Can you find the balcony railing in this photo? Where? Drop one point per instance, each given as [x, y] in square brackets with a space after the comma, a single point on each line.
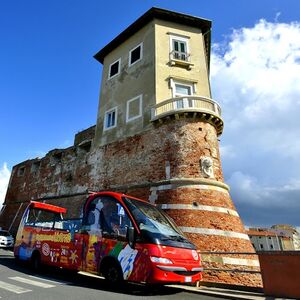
[201, 106]
[178, 55]
[180, 59]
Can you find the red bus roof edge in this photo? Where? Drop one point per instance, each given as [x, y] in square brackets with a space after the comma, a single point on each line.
[49, 207]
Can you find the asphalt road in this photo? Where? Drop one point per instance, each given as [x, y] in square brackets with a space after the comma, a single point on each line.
[19, 282]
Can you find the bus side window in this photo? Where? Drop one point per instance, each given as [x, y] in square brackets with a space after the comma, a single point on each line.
[106, 214]
[92, 215]
[32, 217]
[124, 220]
[69, 225]
[113, 218]
[59, 224]
[40, 218]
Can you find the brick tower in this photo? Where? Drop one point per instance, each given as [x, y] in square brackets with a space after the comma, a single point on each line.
[156, 137]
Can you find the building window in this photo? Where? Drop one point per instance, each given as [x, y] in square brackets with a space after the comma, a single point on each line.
[182, 88]
[110, 118]
[182, 91]
[85, 145]
[136, 54]
[134, 108]
[114, 69]
[21, 171]
[261, 246]
[35, 167]
[179, 48]
[56, 158]
[271, 246]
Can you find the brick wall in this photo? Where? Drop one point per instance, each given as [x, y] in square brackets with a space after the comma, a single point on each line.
[84, 135]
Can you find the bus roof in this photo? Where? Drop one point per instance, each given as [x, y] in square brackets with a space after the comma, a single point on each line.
[49, 207]
[117, 195]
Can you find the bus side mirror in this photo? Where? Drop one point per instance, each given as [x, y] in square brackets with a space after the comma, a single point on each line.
[131, 236]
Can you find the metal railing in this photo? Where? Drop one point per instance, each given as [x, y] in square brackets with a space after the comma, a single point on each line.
[178, 55]
[185, 104]
[207, 263]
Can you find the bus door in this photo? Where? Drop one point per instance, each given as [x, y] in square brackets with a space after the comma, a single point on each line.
[104, 229]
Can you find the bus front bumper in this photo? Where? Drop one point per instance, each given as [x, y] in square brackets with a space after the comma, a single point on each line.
[175, 274]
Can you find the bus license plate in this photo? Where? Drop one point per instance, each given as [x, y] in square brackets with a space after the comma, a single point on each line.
[187, 279]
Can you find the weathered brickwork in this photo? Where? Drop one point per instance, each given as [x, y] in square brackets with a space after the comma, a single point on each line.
[73, 204]
[135, 161]
[84, 136]
[197, 195]
[220, 243]
[251, 280]
[206, 219]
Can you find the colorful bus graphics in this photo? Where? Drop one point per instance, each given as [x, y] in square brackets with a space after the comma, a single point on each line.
[118, 237]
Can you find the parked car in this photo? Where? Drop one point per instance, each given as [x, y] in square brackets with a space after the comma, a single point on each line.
[6, 239]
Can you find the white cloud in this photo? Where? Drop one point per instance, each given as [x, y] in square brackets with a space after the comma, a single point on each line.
[265, 205]
[249, 189]
[261, 67]
[255, 77]
[227, 151]
[4, 179]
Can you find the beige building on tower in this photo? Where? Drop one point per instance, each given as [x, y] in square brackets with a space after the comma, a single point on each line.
[154, 68]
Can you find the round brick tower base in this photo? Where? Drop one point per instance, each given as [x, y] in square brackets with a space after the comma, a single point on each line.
[200, 204]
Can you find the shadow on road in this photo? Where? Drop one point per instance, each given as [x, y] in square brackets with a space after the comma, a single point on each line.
[76, 279]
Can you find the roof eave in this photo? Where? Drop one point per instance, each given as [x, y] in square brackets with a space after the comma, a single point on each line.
[157, 13]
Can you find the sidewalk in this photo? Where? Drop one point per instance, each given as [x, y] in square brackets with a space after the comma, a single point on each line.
[226, 293]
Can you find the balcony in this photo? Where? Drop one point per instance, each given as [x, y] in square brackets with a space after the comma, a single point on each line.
[183, 59]
[203, 108]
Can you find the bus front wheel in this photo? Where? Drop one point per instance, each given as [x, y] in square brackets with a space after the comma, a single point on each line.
[113, 274]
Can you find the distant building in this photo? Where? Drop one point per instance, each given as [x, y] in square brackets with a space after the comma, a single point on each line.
[289, 232]
[287, 243]
[278, 237]
[264, 240]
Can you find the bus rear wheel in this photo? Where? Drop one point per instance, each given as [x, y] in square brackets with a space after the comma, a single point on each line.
[36, 261]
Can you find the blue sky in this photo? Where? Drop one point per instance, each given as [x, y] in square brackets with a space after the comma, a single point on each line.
[49, 87]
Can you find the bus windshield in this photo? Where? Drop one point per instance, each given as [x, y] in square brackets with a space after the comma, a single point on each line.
[155, 225]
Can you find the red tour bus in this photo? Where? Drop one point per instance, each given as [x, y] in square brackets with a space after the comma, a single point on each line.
[119, 237]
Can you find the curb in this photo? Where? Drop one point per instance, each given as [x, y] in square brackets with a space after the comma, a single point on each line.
[223, 293]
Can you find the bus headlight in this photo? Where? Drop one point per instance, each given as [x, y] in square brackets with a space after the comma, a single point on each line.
[161, 260]
[195, 255]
